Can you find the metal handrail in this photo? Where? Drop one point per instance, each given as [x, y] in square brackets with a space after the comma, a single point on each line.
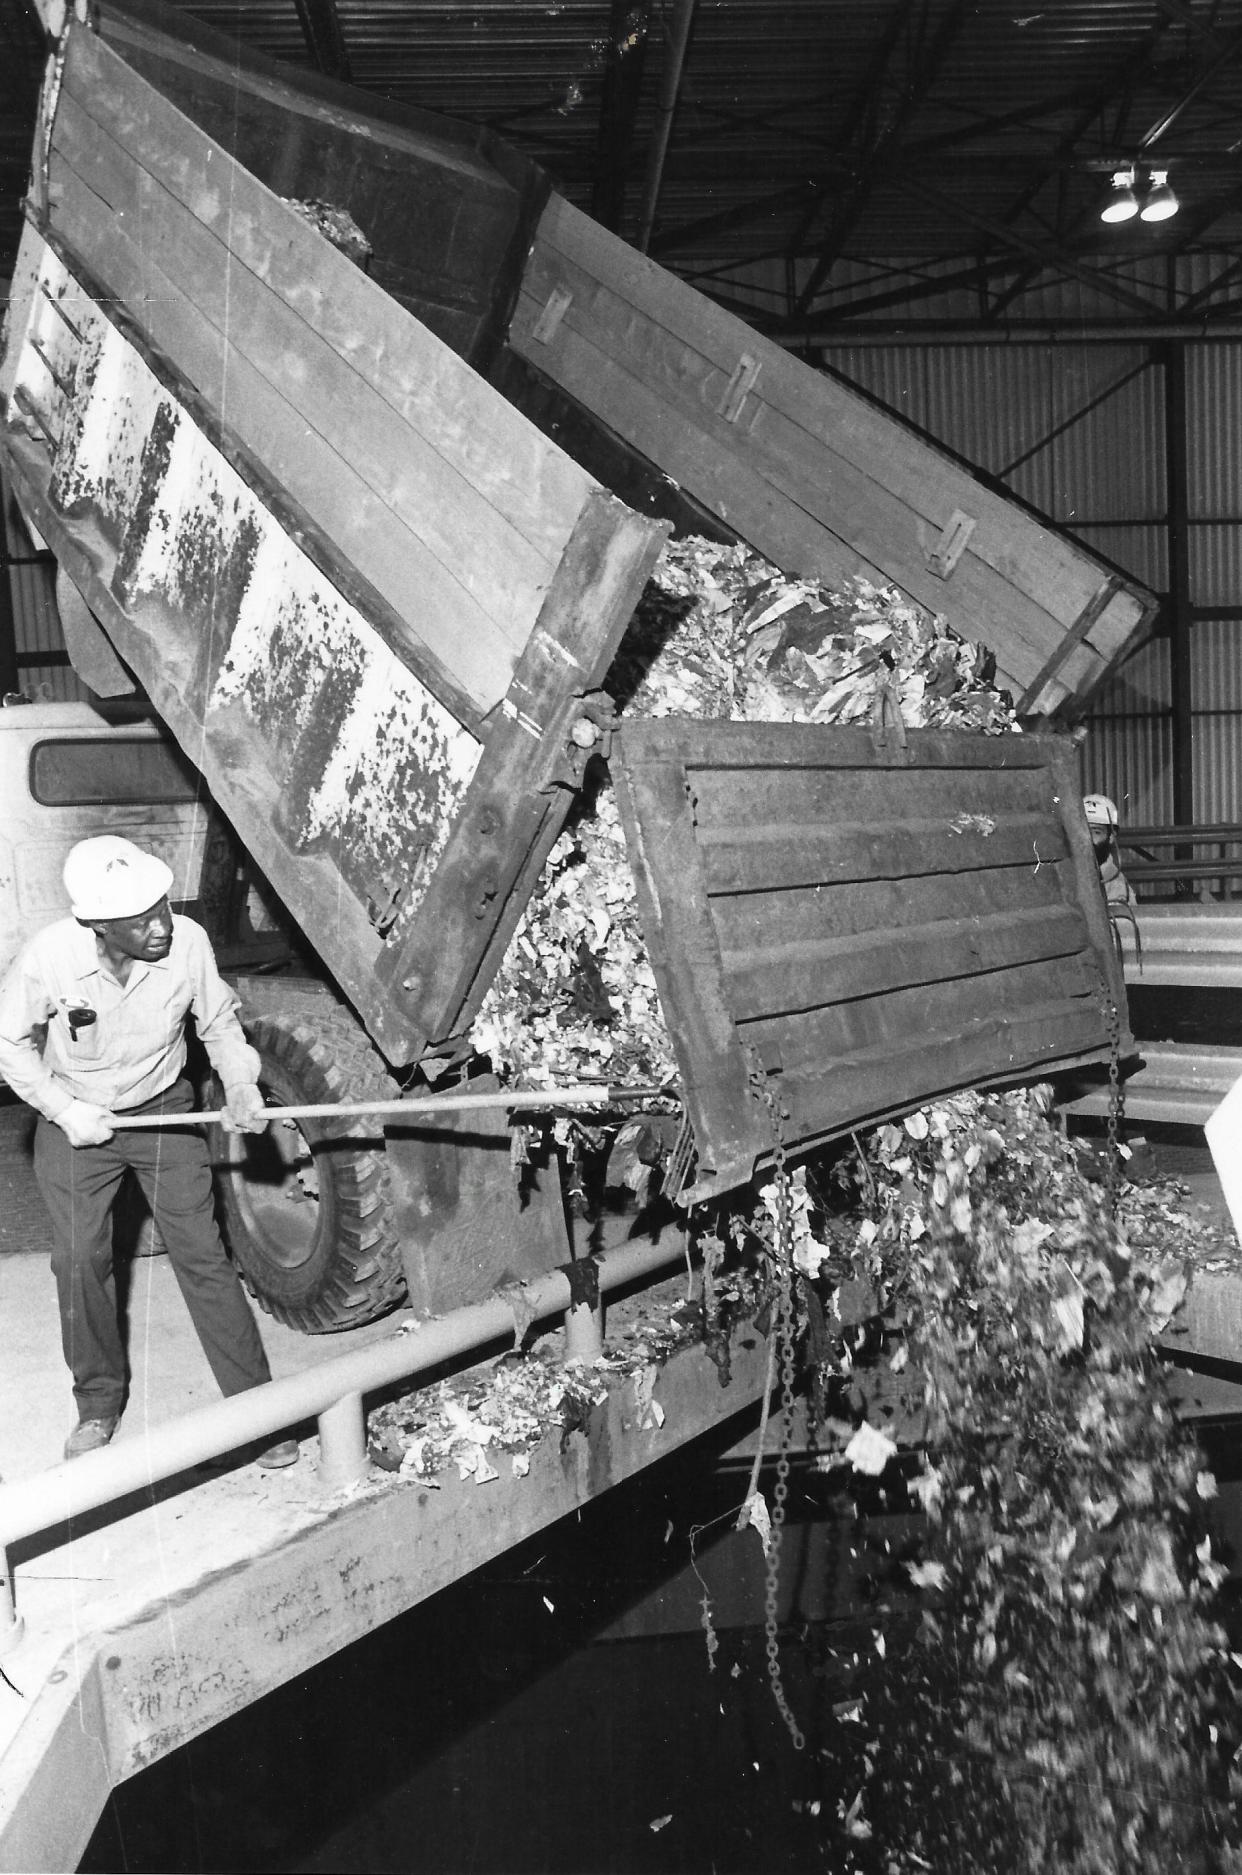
[1157, 869]
[1148, 869]
[1226, 832]
[332, 1391]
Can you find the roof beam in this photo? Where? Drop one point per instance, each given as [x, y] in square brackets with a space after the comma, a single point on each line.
[717, 123]
[321, 29]
[1197, 222]
[1046, 254]
[926, 63]
[739, 217]
[1025, 116]
[1228, 50]
[1094, 106]
[628, 26]
[864, 106]
[1181, 15]
[978, 273]
[1201, 301]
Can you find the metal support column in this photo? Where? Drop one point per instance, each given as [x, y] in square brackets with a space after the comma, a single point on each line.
[1177, 521]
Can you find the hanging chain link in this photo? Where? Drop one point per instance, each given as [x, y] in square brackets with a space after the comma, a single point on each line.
[784, 1328]
[1116, 1105]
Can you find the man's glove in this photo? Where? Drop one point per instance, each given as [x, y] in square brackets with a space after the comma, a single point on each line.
[243, 1109]
[84, 1124]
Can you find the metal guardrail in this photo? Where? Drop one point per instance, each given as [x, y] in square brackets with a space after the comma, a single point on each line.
[1188, 945]
[1179, 1085]
[1141, 848]
[1180, 946]
[332, 1392]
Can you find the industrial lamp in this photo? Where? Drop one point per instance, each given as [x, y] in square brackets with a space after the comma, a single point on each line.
[1161, 201]
[1122, 203]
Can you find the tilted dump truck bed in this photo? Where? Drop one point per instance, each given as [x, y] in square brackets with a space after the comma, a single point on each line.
[375, 603]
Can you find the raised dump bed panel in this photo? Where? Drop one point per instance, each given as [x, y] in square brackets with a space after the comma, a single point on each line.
[447, 209]
[807, 470]
[859, 972]
[663, 395]
[365, 593]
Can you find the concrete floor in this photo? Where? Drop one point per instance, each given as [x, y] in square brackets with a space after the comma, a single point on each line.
[169, 1373]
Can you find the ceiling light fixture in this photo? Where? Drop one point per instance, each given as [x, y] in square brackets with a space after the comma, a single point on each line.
[1122, 203]
[1161, 202]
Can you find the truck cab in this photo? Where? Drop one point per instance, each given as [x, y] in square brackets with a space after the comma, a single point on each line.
[66, 773]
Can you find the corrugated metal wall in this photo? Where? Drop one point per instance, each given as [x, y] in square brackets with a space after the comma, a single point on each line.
[1079, 431]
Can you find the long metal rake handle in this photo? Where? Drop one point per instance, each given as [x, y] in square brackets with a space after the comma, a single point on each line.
[528, 1100]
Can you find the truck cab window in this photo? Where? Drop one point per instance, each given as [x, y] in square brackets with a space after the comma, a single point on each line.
[86, 772]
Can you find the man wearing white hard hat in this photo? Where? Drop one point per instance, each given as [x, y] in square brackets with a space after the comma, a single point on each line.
[93, 1025]
[1102, 823]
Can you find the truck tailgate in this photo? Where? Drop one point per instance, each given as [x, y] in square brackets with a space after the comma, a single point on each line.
[860, 921]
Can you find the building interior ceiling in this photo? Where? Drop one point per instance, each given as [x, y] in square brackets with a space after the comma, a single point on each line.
[823, 166]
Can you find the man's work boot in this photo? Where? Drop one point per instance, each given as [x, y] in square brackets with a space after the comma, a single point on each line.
[89, 1435]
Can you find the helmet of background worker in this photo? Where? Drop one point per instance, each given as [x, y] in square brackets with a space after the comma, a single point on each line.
[1101, 814]
[107, 877]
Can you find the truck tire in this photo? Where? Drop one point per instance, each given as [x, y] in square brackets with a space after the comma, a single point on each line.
[307, 1219]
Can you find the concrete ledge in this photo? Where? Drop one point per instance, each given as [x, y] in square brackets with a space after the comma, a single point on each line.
[261, 1577]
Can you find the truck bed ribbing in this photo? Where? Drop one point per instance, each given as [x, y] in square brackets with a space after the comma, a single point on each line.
[536, 1100]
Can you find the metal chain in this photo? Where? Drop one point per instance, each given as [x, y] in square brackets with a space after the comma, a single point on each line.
[1116, 1105]
[784, 1328]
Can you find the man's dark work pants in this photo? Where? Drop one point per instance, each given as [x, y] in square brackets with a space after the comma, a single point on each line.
[79, 1186]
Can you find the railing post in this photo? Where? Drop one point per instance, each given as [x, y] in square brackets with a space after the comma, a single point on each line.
[343, 1443]
[12, 1627]
[584, 1331]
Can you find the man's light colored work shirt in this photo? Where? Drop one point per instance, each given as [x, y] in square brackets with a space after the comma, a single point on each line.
[136, 1046]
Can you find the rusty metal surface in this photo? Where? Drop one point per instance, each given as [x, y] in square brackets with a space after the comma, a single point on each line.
[339, 767]
[246, 1603]
[860, 925]
[360, 588]
[344, 771]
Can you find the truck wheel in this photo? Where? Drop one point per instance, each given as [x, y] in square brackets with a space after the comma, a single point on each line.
[307, 1218]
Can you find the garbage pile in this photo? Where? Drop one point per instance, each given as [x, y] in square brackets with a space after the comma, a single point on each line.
[719, 635]
[336, 225]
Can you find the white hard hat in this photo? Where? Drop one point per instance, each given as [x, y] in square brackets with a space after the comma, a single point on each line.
[1099, 810]
[108, 877]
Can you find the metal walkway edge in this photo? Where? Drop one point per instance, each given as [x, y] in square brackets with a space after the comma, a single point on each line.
[1179, 1084]
[261, 1576]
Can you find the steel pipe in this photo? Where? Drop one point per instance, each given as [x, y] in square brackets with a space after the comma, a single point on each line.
[666, 106]
[844, 335]
[343, 1443]
[68, 1490]
[524, 1101]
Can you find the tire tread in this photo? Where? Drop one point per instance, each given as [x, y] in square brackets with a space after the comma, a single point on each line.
[364, 1278]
